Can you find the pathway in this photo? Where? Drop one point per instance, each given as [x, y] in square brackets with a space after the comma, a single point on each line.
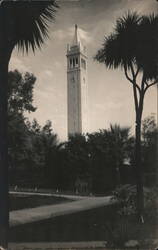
[71, 197]
[23, 216]
[58, 245]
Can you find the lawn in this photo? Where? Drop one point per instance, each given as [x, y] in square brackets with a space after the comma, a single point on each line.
[101, 224]
[21, 201]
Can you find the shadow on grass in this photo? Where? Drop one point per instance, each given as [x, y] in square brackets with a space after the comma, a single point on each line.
[101, 224]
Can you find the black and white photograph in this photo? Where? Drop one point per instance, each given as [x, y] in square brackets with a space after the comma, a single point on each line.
[78, 124]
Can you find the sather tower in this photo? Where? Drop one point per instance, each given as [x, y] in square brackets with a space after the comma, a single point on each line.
[77, 86]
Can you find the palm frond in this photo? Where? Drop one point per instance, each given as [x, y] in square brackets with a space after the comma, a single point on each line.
[147, 53]
[126, 30]
[30, 21]
[134, 41]
[119, 48]
[128, 22]
[109, 53]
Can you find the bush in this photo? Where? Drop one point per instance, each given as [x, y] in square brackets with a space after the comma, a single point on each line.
[126, 197]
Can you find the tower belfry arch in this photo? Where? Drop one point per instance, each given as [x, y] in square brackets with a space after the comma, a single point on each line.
[77, 86]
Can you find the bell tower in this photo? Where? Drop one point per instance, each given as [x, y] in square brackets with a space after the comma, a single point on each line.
[77, 86]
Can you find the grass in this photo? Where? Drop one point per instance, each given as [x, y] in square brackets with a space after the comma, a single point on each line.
[20, 201]
[101, 224]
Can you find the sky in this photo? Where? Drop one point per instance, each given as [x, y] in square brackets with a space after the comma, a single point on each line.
[110, 98]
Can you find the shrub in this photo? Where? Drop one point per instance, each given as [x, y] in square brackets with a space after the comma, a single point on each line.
[126, 197]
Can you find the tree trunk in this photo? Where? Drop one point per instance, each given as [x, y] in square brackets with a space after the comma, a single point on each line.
[6, 47]
[156, 162]
[4, 206]
[139, 172]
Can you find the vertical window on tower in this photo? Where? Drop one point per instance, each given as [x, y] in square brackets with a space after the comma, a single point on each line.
[70, 63]
[76, 62]
[73, 62]
[83, 63]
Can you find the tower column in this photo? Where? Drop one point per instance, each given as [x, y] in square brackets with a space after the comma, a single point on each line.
[76, 86]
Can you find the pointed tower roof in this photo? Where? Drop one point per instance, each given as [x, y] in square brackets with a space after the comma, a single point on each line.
[76, 40]
[76, 45]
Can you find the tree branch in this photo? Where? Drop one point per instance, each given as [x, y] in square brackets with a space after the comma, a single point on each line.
[134, 78]
[149, 85]
[126, 74]
[146, 83]
[135, 97]
[142, 84]
[134, 74]
[137, 71]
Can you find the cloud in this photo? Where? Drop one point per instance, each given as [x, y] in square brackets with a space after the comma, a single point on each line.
[57, 65]
[48, 73]
[19, 64]
[60, 34]
[85, 36]
[68, 35]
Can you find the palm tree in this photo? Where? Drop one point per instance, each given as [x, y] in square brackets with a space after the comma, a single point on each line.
[133, 47]
[23, 24]
[120, 140]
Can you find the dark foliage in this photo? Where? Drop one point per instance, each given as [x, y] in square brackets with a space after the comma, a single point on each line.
[27, 25]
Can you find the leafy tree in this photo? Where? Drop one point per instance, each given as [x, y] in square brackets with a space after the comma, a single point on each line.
[44, 143]
[133, 47]
[23, 24]
[102, 168]
[78, 159]
[17, 136]
[20, 98]
[32, 148]
[148, 129]
[149, 154]
[40, 143]
[119, 140]
[20, 92]
[95, 158]
[108, 150]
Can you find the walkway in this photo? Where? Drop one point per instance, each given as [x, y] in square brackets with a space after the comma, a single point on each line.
[71, 197]
[58, 245]
[23, 216]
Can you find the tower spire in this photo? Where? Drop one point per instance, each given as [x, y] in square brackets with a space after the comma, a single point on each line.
[76, 35]
[76, 40]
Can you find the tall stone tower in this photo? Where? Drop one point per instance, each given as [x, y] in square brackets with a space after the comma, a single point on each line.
[77, 86]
